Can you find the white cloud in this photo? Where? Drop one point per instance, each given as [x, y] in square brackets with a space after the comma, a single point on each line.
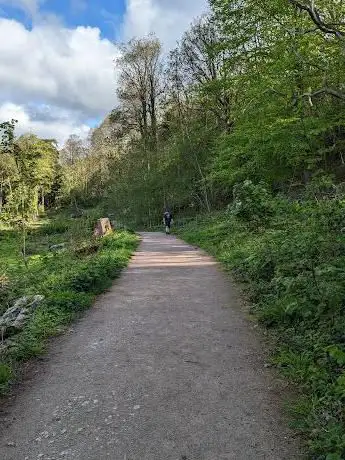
[55, 124]
[66, 67]
[71, 71]
[166, 18]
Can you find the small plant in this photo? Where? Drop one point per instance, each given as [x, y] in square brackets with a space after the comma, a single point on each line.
[5, 374]
[293, 267]
[54, 228]
[251, 203]
[68, 279]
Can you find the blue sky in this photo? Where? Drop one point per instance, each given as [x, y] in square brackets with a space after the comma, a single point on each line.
[57, 74]
[106, 14]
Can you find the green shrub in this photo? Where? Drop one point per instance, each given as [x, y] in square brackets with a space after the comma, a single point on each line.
[54, 228]
[292, 261]
[252, 203]
[69, 280]
[5, 374]
[68, 301]
[120, 240]
[94, 278]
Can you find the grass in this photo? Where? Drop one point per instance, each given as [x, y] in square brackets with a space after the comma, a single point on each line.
[292, 265]
[69, 279]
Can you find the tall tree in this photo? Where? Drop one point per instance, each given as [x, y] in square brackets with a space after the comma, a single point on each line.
[141, 86]
[73, 150]
[198, 64]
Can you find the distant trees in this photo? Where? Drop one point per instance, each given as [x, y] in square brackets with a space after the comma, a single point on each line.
[254, 90]
[29, 173]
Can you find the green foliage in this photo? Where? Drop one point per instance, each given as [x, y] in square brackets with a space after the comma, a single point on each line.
[29, 174]
[68, 279]
[248, 114]
[68, 301]
[293, 268]
[54, 227]
[5, 374]
[251, 202]
[253, 91]
[97, 277]
[59, 309]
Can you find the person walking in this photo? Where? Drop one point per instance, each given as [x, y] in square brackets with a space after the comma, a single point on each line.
[167, 220]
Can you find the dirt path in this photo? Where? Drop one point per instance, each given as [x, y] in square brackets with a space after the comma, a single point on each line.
[165, 367]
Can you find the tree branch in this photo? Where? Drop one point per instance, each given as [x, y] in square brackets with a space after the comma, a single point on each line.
[329, 91]
[316, 18]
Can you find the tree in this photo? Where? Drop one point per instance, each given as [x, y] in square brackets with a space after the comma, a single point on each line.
[8, 169]
[37, 163]
[286, 76]
[198, 64]
[28, 171]
[252, 91]
[73, 150]
[141, 85]
[330, 20]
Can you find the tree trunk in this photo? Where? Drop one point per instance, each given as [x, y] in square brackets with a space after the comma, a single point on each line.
[42, 200]
[153, 114]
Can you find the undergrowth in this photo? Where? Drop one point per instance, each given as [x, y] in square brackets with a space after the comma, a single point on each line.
[290, 255]
[69, 279]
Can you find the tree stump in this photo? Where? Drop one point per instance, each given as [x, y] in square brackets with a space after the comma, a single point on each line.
[103, 227]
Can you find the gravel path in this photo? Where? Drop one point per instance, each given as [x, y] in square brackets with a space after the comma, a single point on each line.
[164, 367]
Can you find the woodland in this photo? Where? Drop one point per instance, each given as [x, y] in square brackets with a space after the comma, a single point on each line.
[240, 131]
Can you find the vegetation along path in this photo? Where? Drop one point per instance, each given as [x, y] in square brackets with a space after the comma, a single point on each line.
[164, 367]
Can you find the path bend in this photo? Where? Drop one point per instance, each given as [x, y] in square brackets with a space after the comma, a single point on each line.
[164, 367]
